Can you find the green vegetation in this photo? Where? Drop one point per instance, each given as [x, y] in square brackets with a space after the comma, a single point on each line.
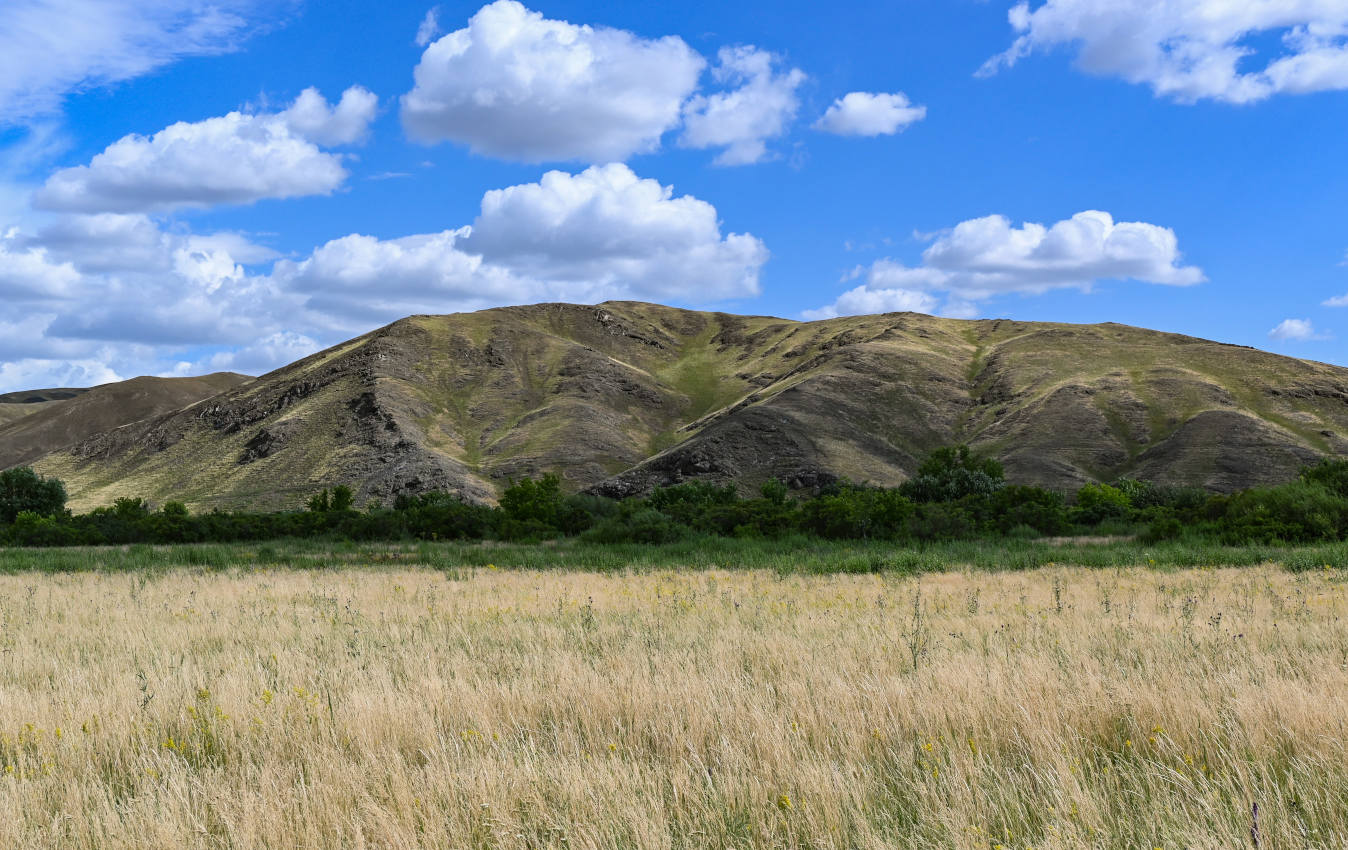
[23, 491]
[958, 505]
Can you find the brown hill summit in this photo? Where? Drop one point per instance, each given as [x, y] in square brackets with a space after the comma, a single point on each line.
[51, 420]
[623, 396]
[15, 406]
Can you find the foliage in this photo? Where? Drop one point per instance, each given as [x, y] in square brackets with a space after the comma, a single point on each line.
[1099, 502]
[1300, 512]
[1329, 473]
[957, 495]
[22, 490]
[953, 473]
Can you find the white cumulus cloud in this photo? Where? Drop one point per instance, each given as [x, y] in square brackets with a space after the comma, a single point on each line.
[358, 280]
[602, 233]
[33, 373]
[1191, 50]
[516, 85]
[614, 230]
[759, 107]
[31, 272]
[310, 117]
[271, 352]
[983, 257]
[49, 48]
[862, 113]
[237, 158]
[1295, 330]
[152, 298]
[864, 300]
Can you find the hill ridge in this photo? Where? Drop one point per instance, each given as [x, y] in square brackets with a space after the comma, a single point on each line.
[623, 396]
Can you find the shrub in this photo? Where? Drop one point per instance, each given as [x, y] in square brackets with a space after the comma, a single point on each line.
[952, 473]
[1300, 512]
[644, 525]
[33, 529]
[1164, 527]
[537, 504]
[857, 512]
[342, 498]
[1099, 502]
[1330, 474]
[442, 516]
[1044, 511]
[690, 503]
[941, 521]
[22, 489]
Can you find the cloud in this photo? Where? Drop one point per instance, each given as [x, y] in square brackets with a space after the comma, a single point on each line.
[984, 257]
[743, 119]
[613, 230]
[37, 373]
[238, 158]
[50, 48]
[1191, 50]
[111, 242]
[430, 27]
[31, 273]
[864, 301]
[310, 117]
[861, 113]
[148, 297]
[274, 351]
[603, 233]
[1295, 330]
[516, 85]
[359, 279]
[109, 278]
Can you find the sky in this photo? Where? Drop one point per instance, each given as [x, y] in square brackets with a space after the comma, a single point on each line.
[192, 187]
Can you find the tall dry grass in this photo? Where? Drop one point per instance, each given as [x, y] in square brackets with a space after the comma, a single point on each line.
[351, 709]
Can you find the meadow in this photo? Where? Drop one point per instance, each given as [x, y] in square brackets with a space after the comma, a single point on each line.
[410, 697]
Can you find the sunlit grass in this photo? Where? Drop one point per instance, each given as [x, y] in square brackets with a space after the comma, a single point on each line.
[486, 707]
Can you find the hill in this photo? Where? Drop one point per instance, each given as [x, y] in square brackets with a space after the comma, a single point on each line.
[15, 406]
[51, 420]
[624, 396]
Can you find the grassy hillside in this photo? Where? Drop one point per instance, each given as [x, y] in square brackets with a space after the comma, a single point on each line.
[56, 419]
[16, 405]
[625, 396]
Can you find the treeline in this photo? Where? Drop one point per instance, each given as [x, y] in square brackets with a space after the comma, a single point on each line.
[956, 494]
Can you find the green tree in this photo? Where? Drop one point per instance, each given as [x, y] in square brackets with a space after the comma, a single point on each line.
[22, 489]
[1099, 502]
[952, 473]
[1330, 474]
[534, 501]
[342, 498]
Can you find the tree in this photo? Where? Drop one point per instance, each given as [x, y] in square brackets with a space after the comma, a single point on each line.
[534, 501]
[22, 489]
[953, 472]
[342, 498]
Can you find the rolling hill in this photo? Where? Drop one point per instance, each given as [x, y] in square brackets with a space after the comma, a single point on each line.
[15, 406]
[624, 396]
[51, 420]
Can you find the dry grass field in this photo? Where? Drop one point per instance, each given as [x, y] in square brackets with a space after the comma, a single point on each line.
[485, 708]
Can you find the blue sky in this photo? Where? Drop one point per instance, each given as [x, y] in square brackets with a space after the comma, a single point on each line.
[186, 188]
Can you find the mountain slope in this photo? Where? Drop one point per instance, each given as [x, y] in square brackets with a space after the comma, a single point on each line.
[61, 418]
[15, 406]
[625, 396]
